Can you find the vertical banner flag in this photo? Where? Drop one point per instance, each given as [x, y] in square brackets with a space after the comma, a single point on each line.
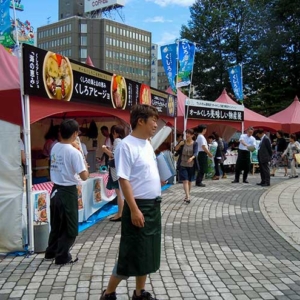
[5, 25]
[186, 53]
[235, 74]
[169, 60]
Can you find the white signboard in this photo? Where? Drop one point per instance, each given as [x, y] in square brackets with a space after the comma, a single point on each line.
[91, 5]
[200, 109]
[213, 105]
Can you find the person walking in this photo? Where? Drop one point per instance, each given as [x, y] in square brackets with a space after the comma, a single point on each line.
[140, 245]
[203, 152]
[264, 155]
[292, 148]
[66, 162]
[187, 162]
[118, 134]
[277, 160]
[218, 159]
[247, 141]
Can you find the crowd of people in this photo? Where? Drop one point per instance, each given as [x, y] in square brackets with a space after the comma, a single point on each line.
[196, 153]
[133, 173]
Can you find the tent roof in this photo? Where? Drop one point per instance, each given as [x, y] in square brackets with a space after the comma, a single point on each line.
[40, 108]
[289, 117]
[251, 118]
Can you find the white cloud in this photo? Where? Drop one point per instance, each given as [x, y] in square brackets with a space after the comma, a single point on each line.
[165, 3]
[157, 19]
[167, 38]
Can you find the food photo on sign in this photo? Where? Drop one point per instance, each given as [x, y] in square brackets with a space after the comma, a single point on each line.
[58, 76]
[118, 90]
[145, 94]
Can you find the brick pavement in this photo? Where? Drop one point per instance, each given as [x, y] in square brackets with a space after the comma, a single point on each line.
[220, 246]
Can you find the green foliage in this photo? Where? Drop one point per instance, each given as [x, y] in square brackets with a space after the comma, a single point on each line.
[262, 35]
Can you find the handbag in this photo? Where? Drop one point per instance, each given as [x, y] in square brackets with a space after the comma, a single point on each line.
[297, 157]
[111, 163]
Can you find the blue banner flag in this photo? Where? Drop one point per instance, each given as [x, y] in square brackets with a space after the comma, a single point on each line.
[186, 53]
[5, 25]
[235, 74]
[169, 61]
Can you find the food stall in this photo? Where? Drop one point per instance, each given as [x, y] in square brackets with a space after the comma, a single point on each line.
[54, 86]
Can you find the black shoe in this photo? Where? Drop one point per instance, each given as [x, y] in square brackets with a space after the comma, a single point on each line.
[234, 181]
[111, 296]
[71, 262]
[144, 296]
[265, 184]
[115, 220]
[260, 183]
[49, 257]
[201, 184]
[245, 181]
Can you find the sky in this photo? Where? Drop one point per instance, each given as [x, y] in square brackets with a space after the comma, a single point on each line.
[163, 18]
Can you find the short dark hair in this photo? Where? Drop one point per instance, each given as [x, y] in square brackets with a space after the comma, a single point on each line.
[211, 137]
[119, 129]
[104, 128]
[216, 135]
[67, 128]
[260, 130]
[190, 131]
[280, 132]
[293, 136]
[250, 128]
[201, 127]
[142, 111]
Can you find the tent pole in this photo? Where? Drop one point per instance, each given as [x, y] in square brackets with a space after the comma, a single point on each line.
[27, 144]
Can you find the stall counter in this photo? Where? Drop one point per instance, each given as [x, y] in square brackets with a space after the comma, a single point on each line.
[92, 195]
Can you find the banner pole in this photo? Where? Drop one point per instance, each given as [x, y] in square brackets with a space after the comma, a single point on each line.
[242, 94]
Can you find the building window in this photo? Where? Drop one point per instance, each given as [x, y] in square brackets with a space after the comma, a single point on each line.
[83, 28]
[83, 40]
[107, 28]
[83, 53]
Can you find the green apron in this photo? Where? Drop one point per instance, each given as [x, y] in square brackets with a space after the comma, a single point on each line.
[140, 248]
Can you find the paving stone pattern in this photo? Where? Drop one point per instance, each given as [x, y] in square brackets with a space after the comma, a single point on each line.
[220, 246]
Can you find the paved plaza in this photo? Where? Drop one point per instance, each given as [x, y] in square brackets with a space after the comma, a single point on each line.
[233, 241]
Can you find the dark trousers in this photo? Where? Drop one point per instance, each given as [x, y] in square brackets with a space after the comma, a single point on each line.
[264, 172]
[242, 163]
[202, 161]
[60, 242]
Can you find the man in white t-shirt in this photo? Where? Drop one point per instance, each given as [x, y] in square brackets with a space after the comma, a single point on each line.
[203, 152]
[140, 245]
[66, 162]
[247, 141]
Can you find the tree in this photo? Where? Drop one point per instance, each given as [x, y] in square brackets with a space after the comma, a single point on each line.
[263, 35]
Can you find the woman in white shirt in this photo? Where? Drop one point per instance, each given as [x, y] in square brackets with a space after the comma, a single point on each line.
[118, 133]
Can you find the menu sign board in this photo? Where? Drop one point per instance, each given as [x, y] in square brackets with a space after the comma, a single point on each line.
[54, 76]
[200, 109]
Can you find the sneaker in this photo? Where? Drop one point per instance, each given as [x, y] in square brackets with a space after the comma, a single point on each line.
[144, 296]
[201, 184]
[111, 296]
[224, 176]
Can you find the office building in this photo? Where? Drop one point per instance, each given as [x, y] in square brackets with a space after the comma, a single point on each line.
[162, 79]
[112, 46]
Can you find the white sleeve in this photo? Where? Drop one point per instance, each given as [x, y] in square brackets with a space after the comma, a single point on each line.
[123, 161]
[78, 162]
